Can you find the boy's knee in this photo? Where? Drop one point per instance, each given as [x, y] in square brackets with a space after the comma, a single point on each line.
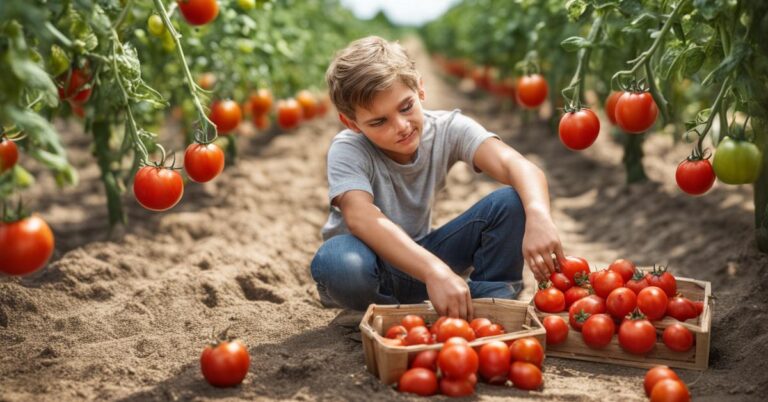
[508, 202]
[344, 255]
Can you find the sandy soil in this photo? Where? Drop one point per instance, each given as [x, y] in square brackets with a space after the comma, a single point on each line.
[125, 316]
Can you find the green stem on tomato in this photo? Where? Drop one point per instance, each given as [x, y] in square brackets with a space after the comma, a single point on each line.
[577, 82]
[63, 40]
[656, 94]
[716, 106]
[133, 127]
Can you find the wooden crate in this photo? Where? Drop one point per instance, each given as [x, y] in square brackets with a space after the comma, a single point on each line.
[696, 358]
[388, 362]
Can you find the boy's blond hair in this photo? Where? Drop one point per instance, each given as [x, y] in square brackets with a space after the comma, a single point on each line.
[366, 67]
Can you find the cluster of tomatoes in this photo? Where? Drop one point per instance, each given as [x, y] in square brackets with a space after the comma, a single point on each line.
[620, 299]
[662, 385]
[454, 369]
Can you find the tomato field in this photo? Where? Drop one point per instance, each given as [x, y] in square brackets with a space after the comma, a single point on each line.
[163, 181]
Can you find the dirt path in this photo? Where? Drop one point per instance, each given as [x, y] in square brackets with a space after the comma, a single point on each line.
[126, 319]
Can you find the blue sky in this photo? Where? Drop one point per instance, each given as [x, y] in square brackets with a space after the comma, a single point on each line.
[403, 12]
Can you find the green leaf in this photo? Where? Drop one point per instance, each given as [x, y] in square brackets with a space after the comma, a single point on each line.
[32, 74]
[739, 52]
[669, 63]
[575, 9]
[574, 43]
[693, 59]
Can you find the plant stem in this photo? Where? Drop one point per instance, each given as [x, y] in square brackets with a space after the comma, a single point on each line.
[714, 111]
[577, 82]
[134, 130]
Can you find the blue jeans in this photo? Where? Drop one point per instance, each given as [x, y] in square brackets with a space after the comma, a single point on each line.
[488, 237]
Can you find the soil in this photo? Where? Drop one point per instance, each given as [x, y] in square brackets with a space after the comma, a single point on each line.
[124, 316]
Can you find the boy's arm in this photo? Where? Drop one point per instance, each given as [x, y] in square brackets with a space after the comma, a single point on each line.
[508, 166]
[448, 292]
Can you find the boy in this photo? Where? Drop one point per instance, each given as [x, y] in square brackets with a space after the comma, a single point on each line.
[383, 174]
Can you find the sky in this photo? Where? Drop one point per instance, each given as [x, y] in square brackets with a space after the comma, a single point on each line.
[402, 12]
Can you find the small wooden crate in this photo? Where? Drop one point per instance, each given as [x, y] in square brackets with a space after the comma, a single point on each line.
[388, 362]
[696, 358]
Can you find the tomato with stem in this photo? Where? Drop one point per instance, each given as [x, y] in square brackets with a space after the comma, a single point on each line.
[659, 277]
[531, 90]
[737, 161]
[695, 176]
[581, 309]
[636, 112]
[203, 162]
[573, 267]
[637, 335]
[225, 364]
[579, 129]
[549, 299]
[157, 188]
[26, 245]
[638, 282]
[198, 12]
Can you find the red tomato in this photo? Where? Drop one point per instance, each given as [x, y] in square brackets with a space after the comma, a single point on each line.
[573, 267]
[226, 115]
[582, 308]
[77, 109]
[527, 350]
[425, 359]
[578, 130]
[419, 381]
[261, 121]
[549, 300]
[261, 102]
[621, 302]
[203, 162]
[638, 282]
[560, 281]
[457, 361]
[495, 359]
[478, 323]
[396, 331]
[531, 90]
[681, 308]
[289, 114]
[656, 374]
[308, 104]
[695, 177]
[575, 293]
[225, 364]
[525, 375]
[669, 390]
[598, 331]
[557, 329]
[157, 188]
[652, 301]
[9, 154]
[490, 330]
[206, 80]
[637, 336]
[606, 281]
[418, 336]
[636, 112]
[664, 280]
[457, 387]
[610, 105]
[699, 305]
[411, 320]
[76, 85]
[456, 340]
[677, 338]
[25, 245]
[455, 327]
[436, 325]
[198, 12]
[625, 268]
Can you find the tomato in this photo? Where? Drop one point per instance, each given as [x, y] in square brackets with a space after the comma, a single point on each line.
[455, 327]
[575, 293]
[489, 330]
[531, 90]
[456, 340]
[578, 130]
[478, 323]
[625, 268]
[457, 387]
[419, 381]
[527, 350]
[261, 101]
[75, 86]
[606, 281]
[638, 282]
[436, 325]
[457, 361]
[247, 4]
[25, 245]
[659, 277]
[412, 320]
[549, 300]
[289, 113]
[677, 337]
[560, 281]
[652, 301]
[418, 336]
[525, 375]
[203, 162]
[681, 308]
[695, 177]
[157, 188]
[225, 364]
[206, 80]
[620, 302]
[699, 305]
[226, 115]
[636, 112]
[573, 267]
[598, 331]
[155, 25]
[737, 162]
[637, 336]
[323, 105]
[396, 331]
[495, 359]
[9, 154]
[589, 305]
[261, 121]
[610, 105]
[198, 12]
[308, 104]
[669, 390]
[425, 359]
[656, 374]
[557, 329]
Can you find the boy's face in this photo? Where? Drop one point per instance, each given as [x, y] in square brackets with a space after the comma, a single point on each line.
[394, 122]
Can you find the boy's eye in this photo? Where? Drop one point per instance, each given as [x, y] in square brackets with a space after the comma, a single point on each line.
[407, 108]
[377, 123]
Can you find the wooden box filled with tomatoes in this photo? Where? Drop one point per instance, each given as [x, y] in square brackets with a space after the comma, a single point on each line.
[388, 355]
[624, 315]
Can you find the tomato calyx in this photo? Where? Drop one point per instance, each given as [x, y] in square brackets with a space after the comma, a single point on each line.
[11, 215]
[544, 284]
[635, 315]
[658, 271]
[162, 163]
[581, 316]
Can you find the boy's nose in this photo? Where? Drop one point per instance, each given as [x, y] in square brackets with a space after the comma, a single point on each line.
[402, 125]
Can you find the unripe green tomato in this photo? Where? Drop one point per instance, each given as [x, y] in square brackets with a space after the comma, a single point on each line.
[737, 162]
[168, 43]
[247, 4]
[59, 61]
[155, 25]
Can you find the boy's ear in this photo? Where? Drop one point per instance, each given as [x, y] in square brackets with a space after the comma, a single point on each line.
[422, 93]
[349, 123]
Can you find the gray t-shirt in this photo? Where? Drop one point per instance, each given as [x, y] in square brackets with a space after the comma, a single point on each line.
[404, 193]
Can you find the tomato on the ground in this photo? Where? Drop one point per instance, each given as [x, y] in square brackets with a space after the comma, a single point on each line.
[25, 245]
[656, 374]
[198, 12]
[578, 130]
[525, 375]
[157, 188]
[457, 387]
[527, 350]
[225, 364]
[669, 390]
[203, 162]
[419, 381]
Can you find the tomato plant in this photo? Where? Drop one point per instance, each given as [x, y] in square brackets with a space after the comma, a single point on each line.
[225, 364]
[158, 188]
[26, 245]
[636, 112]
[610, 105]
[198, 12]
[75, 85]
[579, 129]
[203, 162]
[226, 115]
[695, 176]
[557, 329]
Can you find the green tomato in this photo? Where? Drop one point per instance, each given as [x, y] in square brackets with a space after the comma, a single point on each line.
[168, 43]
[247, 4]
[737, 162]
[155, 25]
[59, 61]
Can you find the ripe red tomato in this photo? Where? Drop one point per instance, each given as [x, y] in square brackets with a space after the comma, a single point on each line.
[455, 327]
[456, 340]
[225, 364]
[411, 320]
[531, 90]
[557, 329]
[478, 323]
[656, 374]
[589, 305]
[425, 359]
[578, 130]
[436, 325]
[598, 331]
[637, 336]
[458, 387]
[203, 162]
[198, 12]
[495, 359]
[695, 177]
[78, 88]
[261, 121]
[527, 350]
[418, 336]
[606, 281]
[289, 113]
[560, 281]
[308, 104]
[261, 102]
[525, 375]
[457, 361]
[677, 338]
[638, 282]
[157, 188]
[625, 268]
[396, 331]
[699, 305]
[573, 267]
[610, 105]
[681, 308]
[661, 278]
[575, 293]
[490, 330]
[652, 301]
[621, 302]
[9, 154]
[549, 300]
[669, 390]
[25, 245]
[636, 112]
[419, 381]
[226, 115]
[206, 80]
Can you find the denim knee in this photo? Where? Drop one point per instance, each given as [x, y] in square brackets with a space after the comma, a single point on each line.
[506, 202]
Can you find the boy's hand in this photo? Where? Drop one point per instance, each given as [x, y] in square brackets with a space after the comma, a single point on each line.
[541, 245]
[449, 293]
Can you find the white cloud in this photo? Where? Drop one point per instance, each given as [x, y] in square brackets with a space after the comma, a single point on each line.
[403, 12]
